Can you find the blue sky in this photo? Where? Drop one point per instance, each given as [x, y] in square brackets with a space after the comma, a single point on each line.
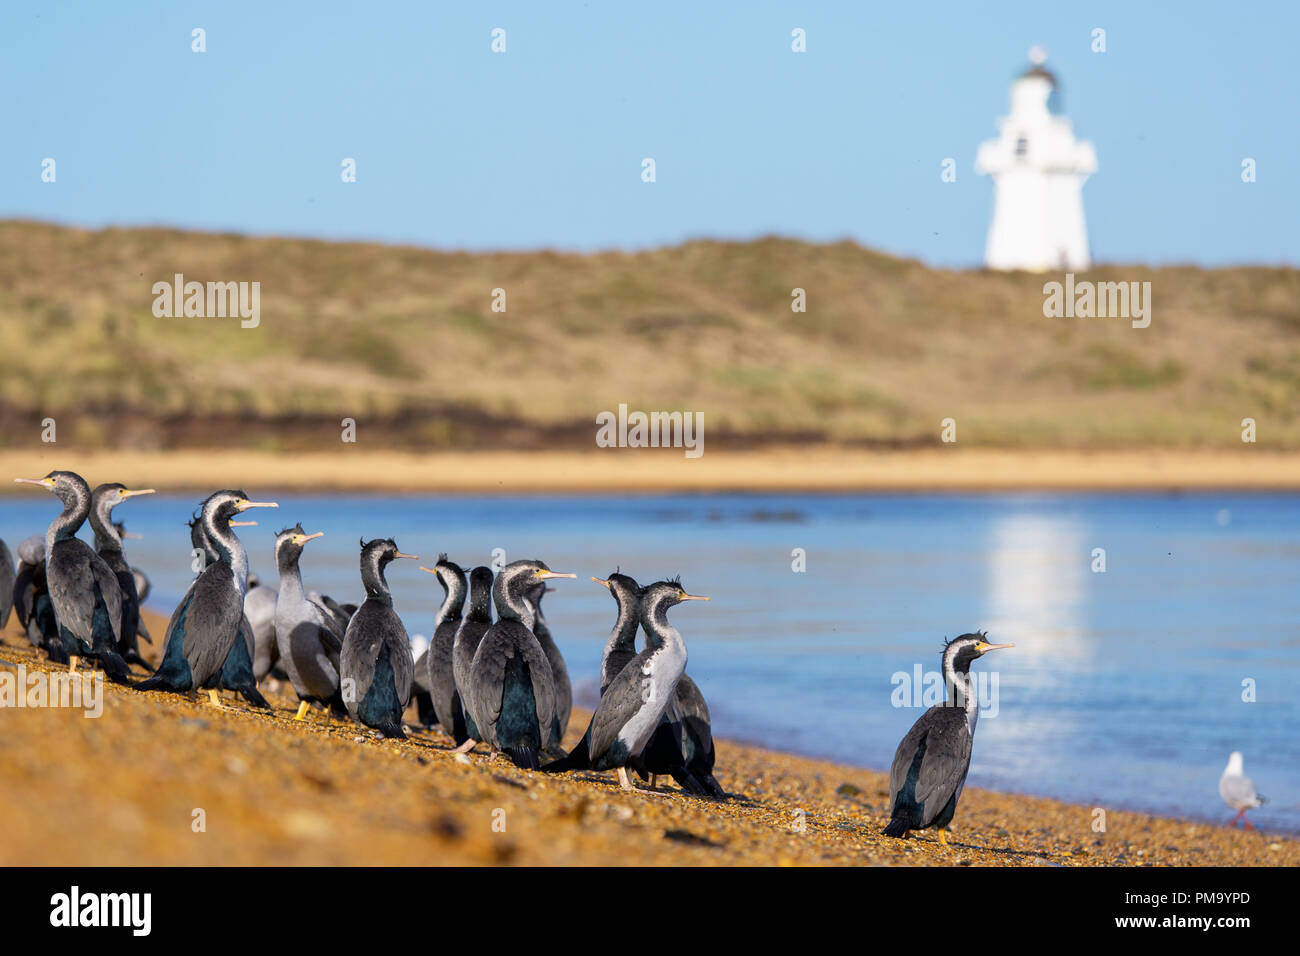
[457, 147]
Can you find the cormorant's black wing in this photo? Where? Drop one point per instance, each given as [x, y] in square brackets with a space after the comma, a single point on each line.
[622, 698]
[73, 574]
[213, 618]
[503, 641]
[943, 742]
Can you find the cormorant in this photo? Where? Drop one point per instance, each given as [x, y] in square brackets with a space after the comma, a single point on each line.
[376, 662]
[83, 589]
[108, 544]
[478, 618]
[666, 751]
[32, 599]
[559, 671]
[621, 646]
[142, 585]
[7, 577]
[237, 672]
[930, 765]
[439, 676]
[1238, 790]
[510, 680]
[306, 633]
[635, 701]
[259, 609]
[208, 629]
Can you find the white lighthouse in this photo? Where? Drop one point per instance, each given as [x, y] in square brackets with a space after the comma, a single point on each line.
[1038, 169]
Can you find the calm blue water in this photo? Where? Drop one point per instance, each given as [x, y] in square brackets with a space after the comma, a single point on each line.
[1124, 690]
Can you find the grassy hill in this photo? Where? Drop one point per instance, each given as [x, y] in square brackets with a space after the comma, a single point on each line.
[405, 341]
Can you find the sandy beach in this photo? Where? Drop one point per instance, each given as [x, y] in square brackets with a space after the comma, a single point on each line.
[267, 790]
[797, 469]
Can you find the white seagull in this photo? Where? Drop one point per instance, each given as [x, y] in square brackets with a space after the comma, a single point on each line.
[1238, 790]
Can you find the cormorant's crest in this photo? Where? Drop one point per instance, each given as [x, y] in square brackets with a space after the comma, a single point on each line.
[675, 579]
[948, 642]
[296, 529]
[442, 557]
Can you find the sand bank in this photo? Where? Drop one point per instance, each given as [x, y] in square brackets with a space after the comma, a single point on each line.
[813, 469]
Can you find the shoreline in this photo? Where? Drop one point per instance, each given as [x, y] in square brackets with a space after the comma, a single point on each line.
[323, 791]
[811, 470]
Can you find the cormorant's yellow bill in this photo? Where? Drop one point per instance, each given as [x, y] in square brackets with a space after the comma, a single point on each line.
[683, 596]
[542, 574]
[132, 492]
[602, 581]
[399, 554]
[46, 482]
[983, 646]
[243, 524]
[429, 570]
[304, 538]
[243, 504]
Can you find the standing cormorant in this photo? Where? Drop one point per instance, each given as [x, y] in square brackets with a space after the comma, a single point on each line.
[667, 749]
[32, 599]
[635, 701]
[420, 695]
[930, 765]
[83, 589]
[306, 634]
[7, 577]
[1238, 790]
[478, 618]
[559, 671]
[237, 672]
[108, 544]
[439, 675]
[376, 663]
[208, 627]
[142, 585]
[510, 680]
[621, 646]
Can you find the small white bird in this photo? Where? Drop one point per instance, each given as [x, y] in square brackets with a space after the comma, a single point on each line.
[1238, 790]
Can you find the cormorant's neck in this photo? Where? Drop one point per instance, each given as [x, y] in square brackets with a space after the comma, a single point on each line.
[511, 605]
[453, 601]
[101, 522]
[290, 576]
[957, 687]
[658, 632]
[376, 585]
[480, 606]
[623, 636]
[224, 541]
[76, 506]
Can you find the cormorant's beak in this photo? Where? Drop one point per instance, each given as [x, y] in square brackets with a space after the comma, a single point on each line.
[413, 557]
[602, 581]
[131, 493]
[242, 524]
[984, 648]
[428, 570]
[304, 538]
[128, 535]
[43, 482]
[246, 504]
[543, 575]
[694, 597]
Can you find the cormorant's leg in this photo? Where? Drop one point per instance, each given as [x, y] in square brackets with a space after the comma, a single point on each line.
[303, 707]
[466, 747]
[623, 780]
[72, 664]
[215, 699]
[654, 781]
[943, 837]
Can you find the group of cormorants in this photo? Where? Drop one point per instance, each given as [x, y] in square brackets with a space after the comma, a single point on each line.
[503, 683]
